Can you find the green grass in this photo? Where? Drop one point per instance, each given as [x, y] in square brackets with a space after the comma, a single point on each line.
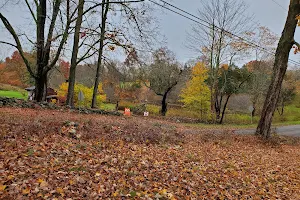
[108, 106]
[223, 126]
[13, 94]
[238, 126]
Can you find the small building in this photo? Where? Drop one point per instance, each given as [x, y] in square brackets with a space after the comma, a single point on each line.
[30, 91]
[51, 94]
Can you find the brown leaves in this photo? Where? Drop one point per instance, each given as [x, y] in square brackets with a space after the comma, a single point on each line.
[117, 161]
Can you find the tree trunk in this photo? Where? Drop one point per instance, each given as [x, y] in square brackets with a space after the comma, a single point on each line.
[224, 109]
[164, 105]
[40, 84]
[280, 109]
[254, 108]
[281, 59]
[40, 79]
[105, 7]
[117, 106]
[72, 73]
[218, 106]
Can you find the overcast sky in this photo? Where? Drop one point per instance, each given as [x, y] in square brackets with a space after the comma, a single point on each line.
[174, 27]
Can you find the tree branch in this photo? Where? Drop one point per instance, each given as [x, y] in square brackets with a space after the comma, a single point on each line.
[85, 55]
[18, 43]
[8, 44]
[31, 11]
[113, 2]
[52, 25]
[297, 44]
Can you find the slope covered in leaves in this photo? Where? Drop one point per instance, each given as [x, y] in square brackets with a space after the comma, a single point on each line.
[127, 158]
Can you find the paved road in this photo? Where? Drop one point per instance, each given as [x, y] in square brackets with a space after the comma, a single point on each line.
[283, 130]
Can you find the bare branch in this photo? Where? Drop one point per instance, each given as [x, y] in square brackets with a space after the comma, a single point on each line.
[86, 55]
[27, 38]
[31, 11]
[113, 2]
[8, 44]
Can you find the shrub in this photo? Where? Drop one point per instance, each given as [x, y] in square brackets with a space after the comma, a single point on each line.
[126, 104]
[87, 92]
[153, 109]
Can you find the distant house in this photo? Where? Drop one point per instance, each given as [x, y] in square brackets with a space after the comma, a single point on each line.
[51, 94]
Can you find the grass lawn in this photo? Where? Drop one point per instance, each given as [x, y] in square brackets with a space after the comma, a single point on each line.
[108, 106]
[12, 94]
[238, 126]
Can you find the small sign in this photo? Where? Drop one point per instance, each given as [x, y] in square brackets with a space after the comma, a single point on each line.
[80, 96]
[146, 114]
[127, 112]
[251, 108]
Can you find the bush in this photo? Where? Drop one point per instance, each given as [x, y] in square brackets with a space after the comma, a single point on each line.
[153, 109]
[240, 119]
[126, 104]
[87, 92]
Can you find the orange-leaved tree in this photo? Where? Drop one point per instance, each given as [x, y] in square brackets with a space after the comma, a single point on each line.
[14, 71]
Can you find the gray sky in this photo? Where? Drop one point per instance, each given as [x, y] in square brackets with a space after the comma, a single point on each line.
[173, 26]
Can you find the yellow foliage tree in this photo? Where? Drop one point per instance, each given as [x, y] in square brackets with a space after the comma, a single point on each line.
[87, 92]
[196, 94]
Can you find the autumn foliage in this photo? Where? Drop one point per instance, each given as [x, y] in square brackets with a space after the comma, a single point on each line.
[14, 72]
[64, 68]
[196, 94]
[87, 92]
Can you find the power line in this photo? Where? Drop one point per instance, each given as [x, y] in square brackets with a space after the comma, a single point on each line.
[279, 5]
[209, 26]
[179, 14]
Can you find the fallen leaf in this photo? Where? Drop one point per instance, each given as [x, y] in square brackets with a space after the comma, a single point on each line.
[2, 187]
[26, 191]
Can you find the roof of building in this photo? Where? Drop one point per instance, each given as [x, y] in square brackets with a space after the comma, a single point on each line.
[30, 88]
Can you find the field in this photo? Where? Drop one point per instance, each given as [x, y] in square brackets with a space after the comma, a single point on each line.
[44, 155]
[12, 94]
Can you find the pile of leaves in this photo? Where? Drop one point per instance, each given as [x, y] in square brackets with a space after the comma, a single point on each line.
[118, 157]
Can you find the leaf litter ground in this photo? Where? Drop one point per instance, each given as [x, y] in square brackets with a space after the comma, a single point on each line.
[63, 155]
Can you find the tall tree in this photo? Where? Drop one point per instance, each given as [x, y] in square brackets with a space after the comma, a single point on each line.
[135, 30]
[215, 43]
[43, 43]
[163, 75]
[285, 44]
[104, 13]
[231, 81]
[72, 72]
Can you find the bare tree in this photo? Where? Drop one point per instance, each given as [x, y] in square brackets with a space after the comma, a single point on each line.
[216, 43]
[285, 44]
